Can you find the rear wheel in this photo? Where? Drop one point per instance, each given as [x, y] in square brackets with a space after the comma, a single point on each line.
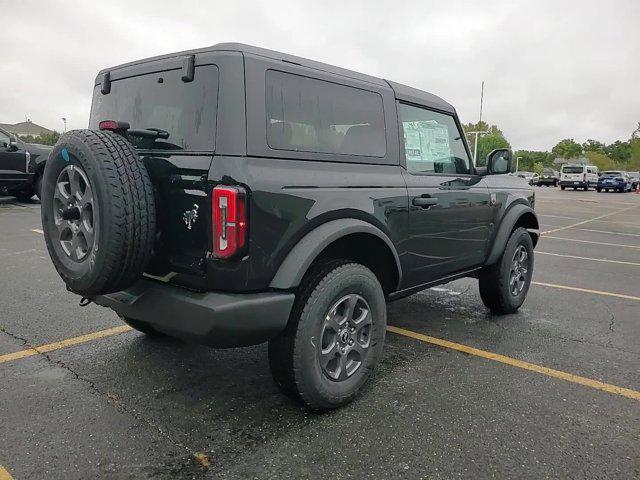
[562, 187]
[334, 338]
[598, 189]
[504, 285]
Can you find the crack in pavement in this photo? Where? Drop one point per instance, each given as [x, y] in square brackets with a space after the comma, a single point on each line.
[110, 397]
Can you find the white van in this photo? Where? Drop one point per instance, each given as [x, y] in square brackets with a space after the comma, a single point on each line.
[578, 176]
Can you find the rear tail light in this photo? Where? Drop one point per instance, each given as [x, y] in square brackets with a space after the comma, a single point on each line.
[113, 126]
[229, 220]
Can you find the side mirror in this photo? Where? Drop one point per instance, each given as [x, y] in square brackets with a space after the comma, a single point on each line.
[13, 144]
[499, 161]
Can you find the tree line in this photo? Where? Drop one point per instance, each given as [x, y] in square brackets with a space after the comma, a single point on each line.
[45, 139]
[619, 155]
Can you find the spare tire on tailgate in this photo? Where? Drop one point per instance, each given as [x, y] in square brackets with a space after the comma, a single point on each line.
[98, 212]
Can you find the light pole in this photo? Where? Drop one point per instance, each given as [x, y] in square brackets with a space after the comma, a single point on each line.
[475, 143]
[64, 121]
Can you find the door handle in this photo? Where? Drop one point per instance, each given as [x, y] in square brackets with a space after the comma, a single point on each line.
[424, 202]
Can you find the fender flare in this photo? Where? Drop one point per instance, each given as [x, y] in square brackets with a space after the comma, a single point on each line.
[298, 260]
[506, 226]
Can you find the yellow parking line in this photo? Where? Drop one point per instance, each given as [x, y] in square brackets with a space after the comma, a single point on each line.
[49, 347]
[4, 474]
[620, 262]
[514, 362]
[595, 243]
[587, 221]
[587, 290]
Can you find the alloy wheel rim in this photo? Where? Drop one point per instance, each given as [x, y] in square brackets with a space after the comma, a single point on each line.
[74, 212]
[519, 271]
[345, 337]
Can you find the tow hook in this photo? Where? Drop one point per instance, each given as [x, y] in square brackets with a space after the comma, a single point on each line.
[84, 301]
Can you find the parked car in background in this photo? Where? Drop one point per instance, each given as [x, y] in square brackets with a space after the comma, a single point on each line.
[21, 166]
[578, 176]
[615, 180]
[548, 177]
[530, 177]
[635, 179]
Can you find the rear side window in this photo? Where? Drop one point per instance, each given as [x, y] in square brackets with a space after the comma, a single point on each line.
[572, 169]
[310, 115]
[186, 110]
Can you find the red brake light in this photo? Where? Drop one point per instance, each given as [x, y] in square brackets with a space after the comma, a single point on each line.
[113, 126]
[108, 125]
[229, 220]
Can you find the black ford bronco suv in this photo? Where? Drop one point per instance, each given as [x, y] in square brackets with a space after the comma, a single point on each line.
[234, 195]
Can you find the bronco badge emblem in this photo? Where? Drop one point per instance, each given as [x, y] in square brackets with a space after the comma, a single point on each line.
[190, 216]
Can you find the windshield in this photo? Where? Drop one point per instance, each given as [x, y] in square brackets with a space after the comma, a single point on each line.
[574, 169]
[186, 111]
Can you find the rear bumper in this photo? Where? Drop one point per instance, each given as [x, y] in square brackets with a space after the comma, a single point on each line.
[547, 181]
[574, 183]
[211, 318]
[614, 186]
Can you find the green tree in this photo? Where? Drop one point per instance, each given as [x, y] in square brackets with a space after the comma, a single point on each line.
[46, 139]
[634, 159]
[538, 167]
[487, 142]
[528, 158]
[600, 160]
[567, 148]
[593, 146]
[619, 151]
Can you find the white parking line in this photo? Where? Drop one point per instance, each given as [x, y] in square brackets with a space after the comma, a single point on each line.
[606, 231]
[37, 230]
[590, 241]
[587, 290]
[588, 258]
[587, 221]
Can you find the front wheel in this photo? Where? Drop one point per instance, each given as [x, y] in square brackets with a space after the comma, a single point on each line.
[334, 338]
[562, 187]
[504, 285]
[598, 189]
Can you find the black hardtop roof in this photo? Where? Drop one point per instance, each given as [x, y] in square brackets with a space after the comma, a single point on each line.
[402, 92]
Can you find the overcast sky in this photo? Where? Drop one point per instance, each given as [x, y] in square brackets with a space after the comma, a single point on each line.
[553, 69]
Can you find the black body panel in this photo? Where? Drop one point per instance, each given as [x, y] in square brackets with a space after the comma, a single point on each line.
[291, 193]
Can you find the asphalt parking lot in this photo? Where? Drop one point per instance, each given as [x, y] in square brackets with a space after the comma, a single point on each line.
[550, 392]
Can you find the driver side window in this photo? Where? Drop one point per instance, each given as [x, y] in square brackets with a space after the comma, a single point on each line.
[4, 139]
[432, 141]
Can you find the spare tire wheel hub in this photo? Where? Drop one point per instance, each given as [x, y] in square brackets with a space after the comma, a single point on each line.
[73, 211]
